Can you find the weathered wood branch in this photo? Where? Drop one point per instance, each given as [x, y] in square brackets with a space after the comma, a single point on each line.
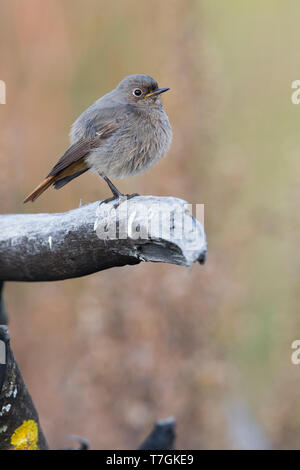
[49, 247]
[162, 436]
[19, 423]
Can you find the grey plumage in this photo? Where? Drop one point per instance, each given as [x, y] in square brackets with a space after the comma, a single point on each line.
[144, 134]
[121, 134]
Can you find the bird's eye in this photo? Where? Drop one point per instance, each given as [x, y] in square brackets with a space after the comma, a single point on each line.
[137, 92]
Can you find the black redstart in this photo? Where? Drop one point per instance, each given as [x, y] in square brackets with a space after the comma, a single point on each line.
[121, 134]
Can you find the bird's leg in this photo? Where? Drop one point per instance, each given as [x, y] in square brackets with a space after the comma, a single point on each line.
[117, 195]
[114, 190]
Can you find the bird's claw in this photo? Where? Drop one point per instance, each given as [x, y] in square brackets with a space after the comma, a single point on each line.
[124, 197]
[119, 199]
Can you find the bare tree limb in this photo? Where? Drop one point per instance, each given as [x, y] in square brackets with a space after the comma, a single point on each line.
[49, 247]
[162, 436]
[19, 423]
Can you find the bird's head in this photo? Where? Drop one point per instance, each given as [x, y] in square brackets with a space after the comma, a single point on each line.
[140, 89]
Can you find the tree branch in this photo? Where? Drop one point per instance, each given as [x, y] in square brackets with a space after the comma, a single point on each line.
[49, 247]
[19, 423]
[162, 436]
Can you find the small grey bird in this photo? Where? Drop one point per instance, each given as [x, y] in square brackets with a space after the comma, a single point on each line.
[121, 134]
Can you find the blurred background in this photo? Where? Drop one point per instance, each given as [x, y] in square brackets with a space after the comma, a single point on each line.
[106, 355]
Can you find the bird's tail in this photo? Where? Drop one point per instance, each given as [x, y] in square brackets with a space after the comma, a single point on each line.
[40, 189]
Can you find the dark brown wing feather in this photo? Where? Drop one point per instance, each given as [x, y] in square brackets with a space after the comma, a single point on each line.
[74, 153]
[72, 163]
[81, 148]
[59, 183]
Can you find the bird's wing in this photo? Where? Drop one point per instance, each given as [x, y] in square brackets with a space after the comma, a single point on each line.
[80, 149]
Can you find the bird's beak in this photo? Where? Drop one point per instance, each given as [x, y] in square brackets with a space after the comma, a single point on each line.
[156, 92]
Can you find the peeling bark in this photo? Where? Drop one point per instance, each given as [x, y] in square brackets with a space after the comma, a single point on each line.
[50, 247]
[19, 423]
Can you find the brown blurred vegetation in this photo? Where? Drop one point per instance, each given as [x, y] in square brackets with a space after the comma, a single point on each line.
[106, 355]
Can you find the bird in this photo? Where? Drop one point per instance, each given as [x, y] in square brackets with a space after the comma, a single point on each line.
[123, 133]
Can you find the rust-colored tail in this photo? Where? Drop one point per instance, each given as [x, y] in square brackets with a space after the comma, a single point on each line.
[59, 177]
[40, 189]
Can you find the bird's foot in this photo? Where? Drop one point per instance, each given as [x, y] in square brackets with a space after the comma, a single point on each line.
[124, 197]
[119, 199]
